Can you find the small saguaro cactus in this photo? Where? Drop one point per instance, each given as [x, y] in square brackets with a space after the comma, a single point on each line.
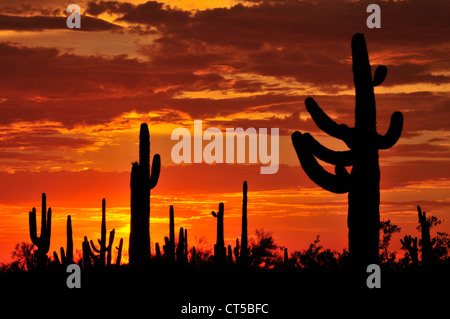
[169, 242]
[286, 256]
[236, 250]
[244, 235]
[119, 252]
[180, 248]
[219, 248]
[230, 254]
[88, 256]
[102, 241]
[157, 252]
[186, 252]
[363, 182]
[427, 246]
[42, 242]
[141, 182]
[66, 256]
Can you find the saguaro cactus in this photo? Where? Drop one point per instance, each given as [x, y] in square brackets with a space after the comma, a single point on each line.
[88, 257]
[169, 247]
[427, 250]
[42, 242]
[363, 183]
[141, 182]
[244, 234]
[66, 256]
[180, 248]
[102, 241]
[220, 252]
[119, 252]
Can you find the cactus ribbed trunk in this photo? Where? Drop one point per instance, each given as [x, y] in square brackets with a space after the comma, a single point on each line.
[364, 189]
[363, 183]
[140, 185]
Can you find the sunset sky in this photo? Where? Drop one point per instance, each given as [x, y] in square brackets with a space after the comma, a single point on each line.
[71, 102]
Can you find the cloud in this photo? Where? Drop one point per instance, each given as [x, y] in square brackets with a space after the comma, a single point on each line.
[39, 23]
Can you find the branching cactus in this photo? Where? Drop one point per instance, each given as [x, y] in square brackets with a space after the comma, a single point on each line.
[363, 182]
[66, 256]
[42, 242]
[103, 249]
[141, 182]
[219, 248]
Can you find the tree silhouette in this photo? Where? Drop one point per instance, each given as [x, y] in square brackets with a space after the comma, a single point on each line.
[387, 230]
[264, 252]
[23, 258]
[315, 256]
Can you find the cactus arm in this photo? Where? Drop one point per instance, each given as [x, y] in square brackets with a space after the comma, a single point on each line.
[33, 231]
[393, 133]
[156, 169]
[63, 255]
[111, 239]
[380, 75]
[323, 153]
[56, 258]
[93, 246]
[334, 183]
[119, 252]
[326, 124]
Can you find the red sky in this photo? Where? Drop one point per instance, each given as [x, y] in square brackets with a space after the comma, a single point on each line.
[71, 102]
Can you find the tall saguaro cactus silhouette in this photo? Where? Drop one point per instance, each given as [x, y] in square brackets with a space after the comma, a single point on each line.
[220, 252]
[363, 182]
[244, 234]
[103, 249]
[141, 182]
[42, 242]
[169, 247]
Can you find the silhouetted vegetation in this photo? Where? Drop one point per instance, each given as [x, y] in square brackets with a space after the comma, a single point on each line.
[257, 264]
[363, 182]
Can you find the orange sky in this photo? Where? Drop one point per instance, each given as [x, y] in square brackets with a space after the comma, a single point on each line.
[71, 102]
